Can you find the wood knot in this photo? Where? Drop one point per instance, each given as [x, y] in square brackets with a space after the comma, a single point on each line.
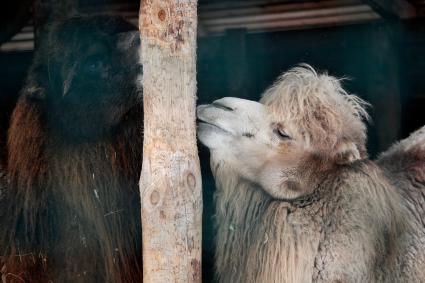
[161, 15]
[196, 267]
[154, 197]
[191, 181]
[162, 214]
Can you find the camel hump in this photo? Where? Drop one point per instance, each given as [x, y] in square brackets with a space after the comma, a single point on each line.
[407, 157]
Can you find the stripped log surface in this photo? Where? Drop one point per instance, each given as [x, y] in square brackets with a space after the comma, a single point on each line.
[171, 179]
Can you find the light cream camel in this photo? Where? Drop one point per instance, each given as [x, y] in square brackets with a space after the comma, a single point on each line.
[297, 198]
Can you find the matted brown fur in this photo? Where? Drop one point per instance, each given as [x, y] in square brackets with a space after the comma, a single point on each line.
[71, 210]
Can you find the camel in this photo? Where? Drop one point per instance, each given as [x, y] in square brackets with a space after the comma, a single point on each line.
[298, 200]
[70, 204]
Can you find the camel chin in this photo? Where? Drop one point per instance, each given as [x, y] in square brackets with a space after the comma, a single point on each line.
[211, 135]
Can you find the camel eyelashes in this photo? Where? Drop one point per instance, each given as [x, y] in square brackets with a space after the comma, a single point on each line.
[281, 134]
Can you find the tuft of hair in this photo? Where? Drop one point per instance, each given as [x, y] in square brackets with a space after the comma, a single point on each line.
[323, 113]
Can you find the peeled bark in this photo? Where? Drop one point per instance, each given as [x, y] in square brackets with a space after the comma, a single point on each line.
[170, 182]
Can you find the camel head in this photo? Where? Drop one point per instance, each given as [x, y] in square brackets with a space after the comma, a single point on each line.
[304, 125]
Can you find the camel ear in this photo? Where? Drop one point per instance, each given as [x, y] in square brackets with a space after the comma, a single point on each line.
[347, 152]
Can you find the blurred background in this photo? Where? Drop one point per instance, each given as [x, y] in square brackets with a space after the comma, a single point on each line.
[378, 45]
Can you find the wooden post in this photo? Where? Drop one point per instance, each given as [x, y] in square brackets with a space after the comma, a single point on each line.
[170, 182]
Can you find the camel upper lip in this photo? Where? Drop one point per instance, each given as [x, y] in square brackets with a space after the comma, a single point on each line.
[201, 121]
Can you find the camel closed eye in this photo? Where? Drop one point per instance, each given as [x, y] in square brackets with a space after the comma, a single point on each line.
[281, 134]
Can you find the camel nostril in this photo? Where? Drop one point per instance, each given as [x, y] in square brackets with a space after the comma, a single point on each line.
[222, 106]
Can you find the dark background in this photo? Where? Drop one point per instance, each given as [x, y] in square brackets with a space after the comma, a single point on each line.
[383, 59]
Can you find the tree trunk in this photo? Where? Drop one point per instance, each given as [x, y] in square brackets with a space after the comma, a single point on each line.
[170, 182]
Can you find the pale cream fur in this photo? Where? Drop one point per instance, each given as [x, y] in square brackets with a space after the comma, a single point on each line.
[319, 106]
[308, 207]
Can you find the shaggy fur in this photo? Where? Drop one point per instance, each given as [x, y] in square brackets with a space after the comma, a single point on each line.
[354, 226]
[3, 182]
[404, 165]
[71, 212]
[317, 105]
[328, 239]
